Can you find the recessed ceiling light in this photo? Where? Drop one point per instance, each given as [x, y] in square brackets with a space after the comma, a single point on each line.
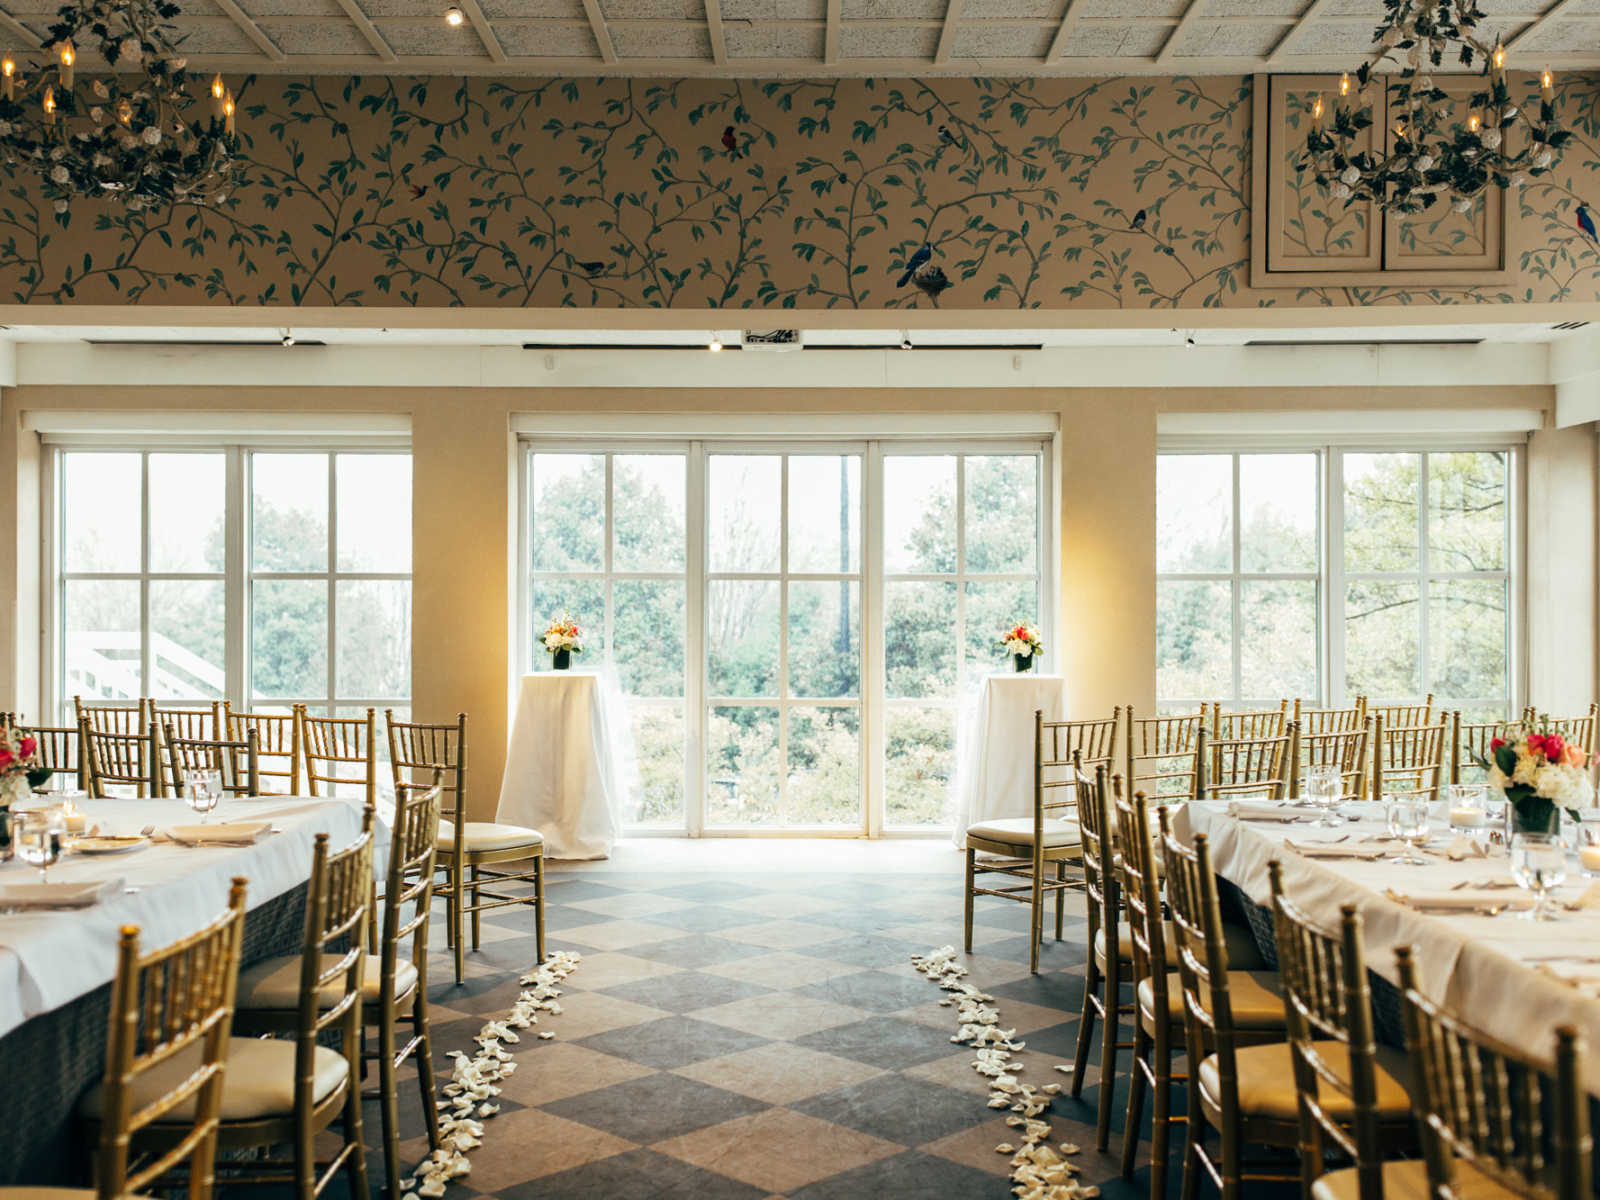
[453, 16]
[288, 337]
[716, 344]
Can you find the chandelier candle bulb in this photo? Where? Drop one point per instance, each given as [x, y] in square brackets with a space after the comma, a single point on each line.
[49, 105]
[1344, 84]
[1547, 85]
[217, 91]
[1316, 113]
[8, 72]
[1498, 63]
[69, 59]
[227, 113]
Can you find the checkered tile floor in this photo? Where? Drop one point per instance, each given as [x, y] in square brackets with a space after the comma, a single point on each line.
[761, 1034]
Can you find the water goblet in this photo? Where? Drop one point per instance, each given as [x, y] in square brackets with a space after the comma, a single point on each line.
[38, 838]
[1322, 786]
[201, 790]
[1407, 818]
[1538, 863]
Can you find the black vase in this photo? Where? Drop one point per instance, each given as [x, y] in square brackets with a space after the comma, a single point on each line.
[5, 833]
[1023, 662]
[561, 659]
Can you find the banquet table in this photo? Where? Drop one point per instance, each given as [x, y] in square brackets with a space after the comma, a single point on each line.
[1512, 978]
[994, 751]
[56, 966]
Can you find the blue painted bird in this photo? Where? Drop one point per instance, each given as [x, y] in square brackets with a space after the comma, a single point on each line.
[912, 263]
[1586, 224]
[947, 137]
[1139, 219]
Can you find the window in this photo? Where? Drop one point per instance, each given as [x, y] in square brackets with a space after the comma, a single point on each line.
[734, 588]
[148, 603]
[1414, 595]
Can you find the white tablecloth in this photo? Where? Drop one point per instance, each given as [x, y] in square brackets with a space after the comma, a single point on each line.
[994, 747]
[566, 764]
[50, 958]
[1481, 967]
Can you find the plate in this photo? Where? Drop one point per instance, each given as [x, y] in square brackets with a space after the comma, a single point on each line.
[108, 844]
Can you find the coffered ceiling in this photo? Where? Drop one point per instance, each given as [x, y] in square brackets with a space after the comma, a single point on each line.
[817, 37]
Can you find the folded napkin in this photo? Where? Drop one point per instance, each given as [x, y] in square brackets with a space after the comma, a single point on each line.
[1463, 901]
[57, 895]
[1466, 847]
[1265, 810]
[228, 833]
[1590, 897]
[1355, 850]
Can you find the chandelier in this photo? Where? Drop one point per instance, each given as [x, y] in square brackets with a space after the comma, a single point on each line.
[1433, 155]
[129, 135]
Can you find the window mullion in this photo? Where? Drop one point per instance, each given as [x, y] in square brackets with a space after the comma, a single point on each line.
[696, 718]
[1424, 589]
[1237, 588]
[333, 591]
[236, 584]
[146, 648]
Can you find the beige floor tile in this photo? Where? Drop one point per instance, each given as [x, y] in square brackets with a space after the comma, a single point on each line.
[1014, 1014]
[585, 1014]
[780, 1015]
[929, 933]
[779, 970]
[789, 905]
[632, 904]
[619, 935]
[781, 935]
[779, 1073]
[610, 969]
[975, 1147]
[554, 1070]
[778, 1150]
[531, 1143]
[956, 1071]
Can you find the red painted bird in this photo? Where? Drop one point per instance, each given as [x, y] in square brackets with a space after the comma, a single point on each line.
[730, 142]
[417, 193]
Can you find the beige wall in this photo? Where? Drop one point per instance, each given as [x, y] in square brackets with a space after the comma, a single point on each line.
[465, 499]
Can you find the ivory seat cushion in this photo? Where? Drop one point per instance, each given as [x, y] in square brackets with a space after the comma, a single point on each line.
[1266, 1082]
[1408, 1180]
[1243, 955]
[488, 835]
[1256, 996]
[1018, 831]
[258, 1083]
[274, 983]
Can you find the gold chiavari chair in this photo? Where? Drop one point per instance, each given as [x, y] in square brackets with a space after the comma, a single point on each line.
[1577, 730]
[1346, 751]
[1246, 768]
[167, 1042]
[192, 724]
[1314, 721]
[1483, 1106]
[339, 752]
[277, 742]
[1239, 726]
[1349, 1090]
[1470, 741]
[61, 751]
[1022, 847]
[238, 764]
[1161, 754]
[476, 857]
[110, 717]
[1408, 760]
[1396, 715]
[119, 759]
[1257, 1001]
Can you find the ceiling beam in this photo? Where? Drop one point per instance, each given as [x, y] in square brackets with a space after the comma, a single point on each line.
[1290, 34]
[947, 33]
[1553, 11]
[602, 35]
[17, 28]
[485, 31]
[719, 44]
[1170, 46]
[251, 30]
[1064, 30]
[380, 47]
[830, 36]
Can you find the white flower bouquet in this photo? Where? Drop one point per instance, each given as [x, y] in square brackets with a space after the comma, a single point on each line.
[562, 635]
[1539, 774]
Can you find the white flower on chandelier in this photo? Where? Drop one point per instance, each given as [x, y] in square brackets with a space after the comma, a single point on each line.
[1350, 175]
[60, 206]
[101, 90]
[60, 174]
[1340, 191]
[131, 51]
[1424, 162]
[151, 136]
[1462, 204]
[1543, 158]
[1490, 139]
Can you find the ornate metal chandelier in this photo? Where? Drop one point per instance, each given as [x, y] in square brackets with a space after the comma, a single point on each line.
[128, 135]
[1433, 155]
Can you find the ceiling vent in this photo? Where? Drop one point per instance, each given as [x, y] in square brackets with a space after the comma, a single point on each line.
[771, 339]
[1569, 326]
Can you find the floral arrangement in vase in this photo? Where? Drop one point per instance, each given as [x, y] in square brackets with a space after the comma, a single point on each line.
[1022, 643]
[563, 639]
[1539, 773]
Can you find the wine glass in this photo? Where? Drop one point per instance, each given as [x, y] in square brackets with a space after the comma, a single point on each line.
[1322, 787]
[1538, 863]
[1408, 820]
[38, 838]
[202, 788]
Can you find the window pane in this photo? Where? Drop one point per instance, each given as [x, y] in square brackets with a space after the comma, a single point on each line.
[1194, 640]
[647, 512]
[919, 514]
[825, 513]
[746, 518]
[1278, 639]
[1467, 637]
[919, 638]
[187, 637]
[1380, 512]
[100, 512]
[374, 512]
[742, 637]
[1381, 641]
[289, 512]
[101, 622]
[658, 743]
[649, 621]
[373, 631]
[289, 638]
[992, 609]
[584, 600]
[188, 500]
[568, 493]
[1467, 511]
[1278, 512]
[1194, 513]
[919, 760]
[824, 780]
[742, 766]
[824, 639]
[1002, 532]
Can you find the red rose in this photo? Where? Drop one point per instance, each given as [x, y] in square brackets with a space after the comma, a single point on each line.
[1554, 747]
[1535, 743]
[1495, 744]
[29, 745]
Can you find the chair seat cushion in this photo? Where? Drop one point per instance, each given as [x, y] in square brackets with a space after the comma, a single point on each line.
[1243, 954]
[1266, 1082]
[1256, 996]
[1408, 1180]
[487, 835]
[1018, 831]
[274, 983]
[258, 1083]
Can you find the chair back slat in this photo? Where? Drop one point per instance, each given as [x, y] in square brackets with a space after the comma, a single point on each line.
[1239, 726]
[1251, 767]
[189, 723]
[1408, 760]
[417, 748]
[1161, 754]
[113, 717]
[408, 890]
[1202, 955]
[1141, 892]
[1345, 751]
[277, 746]
[120, 759]
[1094, 742]
[61, 750]
[340, 752]
[1397, 715]
[1102, 890]
[1577, 730]
[338, 907]
[1316, 721]
[238, 764]
[1470, 741]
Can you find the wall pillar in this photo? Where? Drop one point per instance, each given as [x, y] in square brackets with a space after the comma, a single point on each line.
[1563, 571]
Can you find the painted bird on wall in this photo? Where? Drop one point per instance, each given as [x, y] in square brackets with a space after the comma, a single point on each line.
[1139, 219]
[921, 256]
[930, 281]
[730, 142]
[591, 268]
[947, 137]
[1586, 223]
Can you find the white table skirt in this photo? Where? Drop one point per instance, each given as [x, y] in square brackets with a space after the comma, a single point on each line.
[50, 958]
[567, 762]
[994, 747]
[1480, 967]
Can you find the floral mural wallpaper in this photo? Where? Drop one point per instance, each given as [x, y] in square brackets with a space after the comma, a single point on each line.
[745, 194]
